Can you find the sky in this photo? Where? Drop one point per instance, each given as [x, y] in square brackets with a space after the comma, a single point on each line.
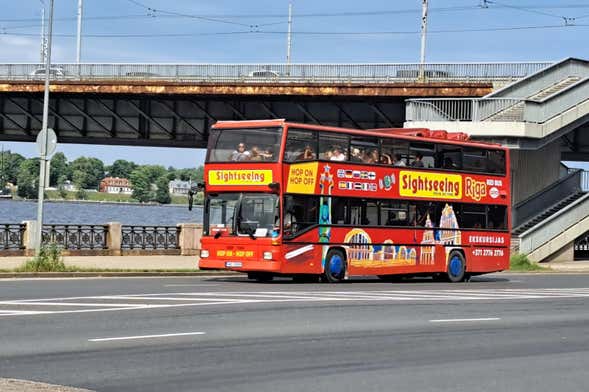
[326, 31]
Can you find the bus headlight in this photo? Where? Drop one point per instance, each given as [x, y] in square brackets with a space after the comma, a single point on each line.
[267, 255]
[204, 253]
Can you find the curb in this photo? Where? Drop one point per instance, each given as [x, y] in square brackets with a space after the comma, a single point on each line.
[106, 274]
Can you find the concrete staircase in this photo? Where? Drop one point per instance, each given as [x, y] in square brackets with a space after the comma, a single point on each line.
[515, 112]
[546, 214]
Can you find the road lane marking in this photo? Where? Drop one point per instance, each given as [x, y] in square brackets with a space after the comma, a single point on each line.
[465, 320]
[191, 285]
[152, 301]
[167, 335]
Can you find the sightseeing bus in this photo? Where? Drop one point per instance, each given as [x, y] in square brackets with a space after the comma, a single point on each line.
[301, 200]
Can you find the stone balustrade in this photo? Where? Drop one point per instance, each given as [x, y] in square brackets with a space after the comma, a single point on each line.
[113, 239]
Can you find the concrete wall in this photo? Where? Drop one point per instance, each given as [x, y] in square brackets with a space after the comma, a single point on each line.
[532, 171]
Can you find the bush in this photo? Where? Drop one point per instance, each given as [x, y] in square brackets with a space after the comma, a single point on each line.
[48, 260]
[520, 262]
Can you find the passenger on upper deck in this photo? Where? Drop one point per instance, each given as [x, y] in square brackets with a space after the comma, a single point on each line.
[240, 154]
[371, 157]
[255, 154]
[337, 154]
[398, 161]
[385, 159]
[418, 160]
[307, 154]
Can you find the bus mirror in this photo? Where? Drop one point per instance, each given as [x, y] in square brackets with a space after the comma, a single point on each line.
[274, 186]
[194, 189]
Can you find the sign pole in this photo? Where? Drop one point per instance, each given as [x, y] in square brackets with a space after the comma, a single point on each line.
[44, 140]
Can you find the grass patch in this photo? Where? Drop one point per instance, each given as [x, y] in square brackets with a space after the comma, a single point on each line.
[48, 260]
[520, 262]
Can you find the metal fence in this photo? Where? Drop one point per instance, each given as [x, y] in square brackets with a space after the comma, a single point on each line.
[11, 236]
[76, 237]
[472, 72]
[150, 237]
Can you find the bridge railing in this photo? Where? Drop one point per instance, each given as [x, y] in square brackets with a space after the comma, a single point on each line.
[497, 109]
[471, 109]
[471, 72]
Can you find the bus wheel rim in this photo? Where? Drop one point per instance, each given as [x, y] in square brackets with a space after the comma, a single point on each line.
[455, 265]
[336, 266]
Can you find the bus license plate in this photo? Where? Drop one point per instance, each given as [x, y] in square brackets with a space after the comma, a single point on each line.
[233, 264]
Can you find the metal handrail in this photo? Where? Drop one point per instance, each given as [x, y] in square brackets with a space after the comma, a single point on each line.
[537, 203]
[473, 72]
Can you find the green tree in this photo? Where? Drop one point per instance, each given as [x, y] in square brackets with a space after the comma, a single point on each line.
[59, 169]
[28, 179]
[162, 193]
[141, 184]
[121, 168]
[9, 166]
[87, 172]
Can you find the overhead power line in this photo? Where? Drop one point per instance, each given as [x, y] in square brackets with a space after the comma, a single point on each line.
[156, 13]
[310, 33]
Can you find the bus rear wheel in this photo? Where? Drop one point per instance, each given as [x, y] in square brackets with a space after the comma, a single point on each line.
[260, 276]
[335, 266]
[456, 270]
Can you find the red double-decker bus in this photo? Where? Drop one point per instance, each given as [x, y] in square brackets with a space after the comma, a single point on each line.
[288, 199]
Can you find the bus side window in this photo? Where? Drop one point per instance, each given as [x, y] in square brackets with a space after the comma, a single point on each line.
[301, 145]
[421, 155]
[496, 162]
[474, 216]
[333, 146]
[395, 148]
[448, 157]
[474, 159]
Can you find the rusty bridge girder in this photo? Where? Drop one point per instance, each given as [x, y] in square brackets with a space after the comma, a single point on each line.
[170, 114]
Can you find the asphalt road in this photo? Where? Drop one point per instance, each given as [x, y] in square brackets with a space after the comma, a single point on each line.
[499, 332]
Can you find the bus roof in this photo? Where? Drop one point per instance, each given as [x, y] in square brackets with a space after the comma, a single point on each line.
[415, 134]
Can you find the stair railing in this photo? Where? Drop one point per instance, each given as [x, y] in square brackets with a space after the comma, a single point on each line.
[537, 203]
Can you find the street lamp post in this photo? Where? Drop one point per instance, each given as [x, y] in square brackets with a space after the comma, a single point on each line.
[79, 39]
[423, 35]
[44, 139]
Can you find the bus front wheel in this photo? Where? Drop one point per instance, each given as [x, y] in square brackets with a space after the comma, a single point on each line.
[456, 270]
[335, 266]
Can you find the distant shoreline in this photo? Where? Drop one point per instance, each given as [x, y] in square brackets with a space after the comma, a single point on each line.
[133, 203]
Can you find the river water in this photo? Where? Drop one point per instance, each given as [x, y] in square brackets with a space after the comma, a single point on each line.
[12, 211]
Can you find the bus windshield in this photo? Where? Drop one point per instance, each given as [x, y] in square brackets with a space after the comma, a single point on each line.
[245, 144]
[253, 214]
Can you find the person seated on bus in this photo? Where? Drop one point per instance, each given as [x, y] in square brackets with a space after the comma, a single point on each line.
[385, 159]
[418, 162]
[255, 154]
[398, 161]
[355, 155]
[240, 153]
[337, 154]
[371, 157]
[307, 154]
[268, 154]
[289, 225]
